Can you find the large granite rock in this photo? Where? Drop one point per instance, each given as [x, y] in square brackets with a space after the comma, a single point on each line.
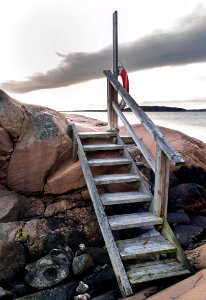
[192, 288]
[12, 260]
[34, 143]
[197, 257]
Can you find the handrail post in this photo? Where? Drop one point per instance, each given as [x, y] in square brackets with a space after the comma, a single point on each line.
[112, 95]
[160, 202]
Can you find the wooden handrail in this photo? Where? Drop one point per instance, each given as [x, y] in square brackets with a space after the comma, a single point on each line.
[160, 139]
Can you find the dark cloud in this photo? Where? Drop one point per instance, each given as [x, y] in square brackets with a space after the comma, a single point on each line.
[184, 45]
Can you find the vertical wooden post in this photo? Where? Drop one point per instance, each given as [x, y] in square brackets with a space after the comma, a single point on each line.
[112, 95]
[160, 203]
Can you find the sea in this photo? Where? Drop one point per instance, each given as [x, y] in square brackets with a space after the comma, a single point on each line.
[189, 122]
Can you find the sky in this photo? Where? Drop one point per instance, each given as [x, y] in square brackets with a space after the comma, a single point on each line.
[53, 52]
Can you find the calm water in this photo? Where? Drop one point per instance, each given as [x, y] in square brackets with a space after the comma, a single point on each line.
[190, 123]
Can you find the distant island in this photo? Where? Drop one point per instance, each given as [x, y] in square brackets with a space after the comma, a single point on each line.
[146, 109]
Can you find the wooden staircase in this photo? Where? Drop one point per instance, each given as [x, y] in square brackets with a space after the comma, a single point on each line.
[115, 184]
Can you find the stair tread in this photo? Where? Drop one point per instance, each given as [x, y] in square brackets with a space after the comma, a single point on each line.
[153, 270]
[142, 247]
[97, 134]
[124, 197]
[109, 161]
[133, 220]
[116, 178]
[97, 147]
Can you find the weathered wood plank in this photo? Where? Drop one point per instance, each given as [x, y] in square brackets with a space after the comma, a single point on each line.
[171, 153]
[159, 205]
[124, 197]
[102, 147]
[109, 161]
[103, 222]
[95, 134]
[169, 235]
[144, 246]
[115, 178]
[148, 271]
[118, 222]
[137, 141]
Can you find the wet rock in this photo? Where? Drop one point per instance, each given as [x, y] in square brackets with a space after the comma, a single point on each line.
[188, 196]
[82, 297]
[12, 206]
[12, 260]
[49, 270]
[178, 218]
[82, 288]
[82, 264]
[100, 282]
[186, 234]
[99, 255]
[111, 295]
[192, 174]
[5, 295]
[72, 227]
[199, 221]
[19, 288]
[61, 292]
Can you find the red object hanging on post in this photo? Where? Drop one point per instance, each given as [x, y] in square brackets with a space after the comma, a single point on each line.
[124, 76]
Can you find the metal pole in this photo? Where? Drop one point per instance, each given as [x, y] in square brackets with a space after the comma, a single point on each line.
[115, 44]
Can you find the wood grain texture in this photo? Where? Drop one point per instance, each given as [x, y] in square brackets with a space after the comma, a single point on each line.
[124, 197]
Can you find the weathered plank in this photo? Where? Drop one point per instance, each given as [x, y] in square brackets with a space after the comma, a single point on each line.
[124, 197]
[169, 235]
[109, 161]
[102, 147]
[118, 222]
[115, 178]
[154, 270]
[142, 247]
[97, 134]
[159, 205]
[137, 141]
[171, 153]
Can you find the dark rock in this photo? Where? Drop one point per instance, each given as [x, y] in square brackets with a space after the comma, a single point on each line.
[82, 288]
[99, 255]
[5, 295]
[100, 282]
[111, 295]
[192, 174]
[188, 196]
[178, 218]
[19, 288]
[82, 264]
[49, 270]
[61, 292]
[186, 234]
[12, 260]
[12, 206]
[199, 221]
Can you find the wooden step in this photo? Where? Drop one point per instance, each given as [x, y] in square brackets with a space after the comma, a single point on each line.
[94, 135]
[154, 270]
[102, 147]
[118, 222]
[141, 247]
[109, 161]
[116, 178]
[124, 197]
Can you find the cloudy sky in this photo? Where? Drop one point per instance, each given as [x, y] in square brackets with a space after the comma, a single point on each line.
[53, 52]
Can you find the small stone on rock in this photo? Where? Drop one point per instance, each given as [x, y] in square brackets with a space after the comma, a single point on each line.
[82, 288]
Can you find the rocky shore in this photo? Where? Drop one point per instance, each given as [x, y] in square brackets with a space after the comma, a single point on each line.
[50, 243]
